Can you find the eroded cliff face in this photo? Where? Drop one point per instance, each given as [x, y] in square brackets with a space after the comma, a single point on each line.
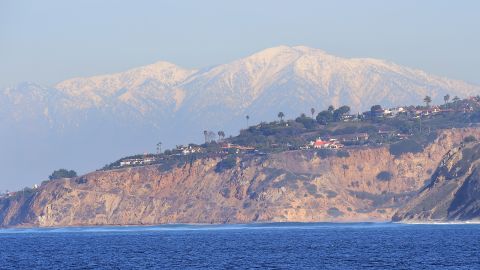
[289, 186]
[453, 193]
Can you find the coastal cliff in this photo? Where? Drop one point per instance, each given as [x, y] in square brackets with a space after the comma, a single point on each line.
[367, 184]
[453, 195]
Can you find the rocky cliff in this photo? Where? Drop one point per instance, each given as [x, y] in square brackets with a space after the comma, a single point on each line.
[367, 184]
[453, 193]
[131, 111]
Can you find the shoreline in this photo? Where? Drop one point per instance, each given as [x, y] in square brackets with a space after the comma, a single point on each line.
[439, 222]
[220, 226]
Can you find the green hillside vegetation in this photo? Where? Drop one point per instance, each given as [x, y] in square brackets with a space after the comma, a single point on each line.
[408, 130]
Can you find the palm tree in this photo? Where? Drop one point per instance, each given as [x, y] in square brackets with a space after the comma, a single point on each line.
[281, 115]
[427, 100]
[159, 147]
[221, 135]
[205, 134]
[446, 98]
[312, 110]
[247, 117]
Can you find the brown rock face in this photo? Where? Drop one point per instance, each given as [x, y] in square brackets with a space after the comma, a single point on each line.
[367, 185]
[454, 191]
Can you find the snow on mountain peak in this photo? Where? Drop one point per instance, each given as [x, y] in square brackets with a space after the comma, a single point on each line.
[95, 89]
[284, 72]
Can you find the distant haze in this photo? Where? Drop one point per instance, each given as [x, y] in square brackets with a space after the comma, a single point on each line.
[52, 40]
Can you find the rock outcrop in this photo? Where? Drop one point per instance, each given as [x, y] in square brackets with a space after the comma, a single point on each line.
[367, 184]
[453, 193]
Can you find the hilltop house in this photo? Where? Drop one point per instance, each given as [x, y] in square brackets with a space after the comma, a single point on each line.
[321, 144]
[137, 161]
[394, 112]
[350, 117]
[428, 111]
[189, 149]
[350, 138]
[238, 148]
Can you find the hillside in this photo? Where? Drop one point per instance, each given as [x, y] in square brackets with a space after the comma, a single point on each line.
[131, 111]
[453, 193]
[366, 184]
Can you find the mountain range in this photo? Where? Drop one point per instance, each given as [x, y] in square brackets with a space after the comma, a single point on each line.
[83, 123]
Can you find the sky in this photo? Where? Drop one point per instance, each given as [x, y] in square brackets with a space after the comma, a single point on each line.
[48, 41]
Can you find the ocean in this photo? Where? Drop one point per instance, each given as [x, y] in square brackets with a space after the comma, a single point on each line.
[256, 246]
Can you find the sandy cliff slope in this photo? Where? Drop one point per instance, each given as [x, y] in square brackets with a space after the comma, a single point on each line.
[454, 192]
[289, 186]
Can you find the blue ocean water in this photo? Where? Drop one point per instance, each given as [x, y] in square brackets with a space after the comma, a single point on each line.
[260, 246]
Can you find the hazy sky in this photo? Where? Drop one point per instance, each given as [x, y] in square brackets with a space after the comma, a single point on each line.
[48, 41]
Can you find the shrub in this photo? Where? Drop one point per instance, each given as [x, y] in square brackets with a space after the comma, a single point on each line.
[469, 139]
[405, 146]
[81, 180]
[331, 194]
[225, 164]
[225, 192]
[311, 188]
[342, 154]
[334, 212]
[384, 176]
[324, 153]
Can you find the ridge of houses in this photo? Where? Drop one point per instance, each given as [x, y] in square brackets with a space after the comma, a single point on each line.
[327, 142]
[416, 112]
[335, 142]
[137, 161]
[237, 147]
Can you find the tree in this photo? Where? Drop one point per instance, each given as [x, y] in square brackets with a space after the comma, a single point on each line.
[307, 122]
[375, 108]
[331, 108]
[427, 101]
[159, 147]
[62, 173]
[281, 115]
[446, 98]
[455, 100]
[340, 112]
[211, 136]
[221, 135]
[324, 117]
[247, 117]
[312, 111]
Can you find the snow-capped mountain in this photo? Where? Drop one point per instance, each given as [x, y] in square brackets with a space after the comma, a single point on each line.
[78, 122]
[292, 79]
